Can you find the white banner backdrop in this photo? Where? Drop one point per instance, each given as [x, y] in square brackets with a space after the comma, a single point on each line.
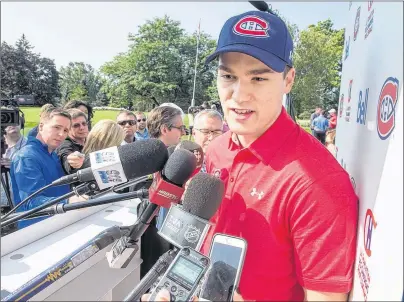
[369, 143]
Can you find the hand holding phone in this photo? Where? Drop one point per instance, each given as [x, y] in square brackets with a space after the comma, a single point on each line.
[227, 255]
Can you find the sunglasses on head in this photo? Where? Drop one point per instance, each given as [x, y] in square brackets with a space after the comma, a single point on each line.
[130, 123]
[141, 120]
[77, 125]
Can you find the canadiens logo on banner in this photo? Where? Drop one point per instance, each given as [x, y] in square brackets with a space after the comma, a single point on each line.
[252, 26]
[357, 23]
[386, 108]
[369, 226]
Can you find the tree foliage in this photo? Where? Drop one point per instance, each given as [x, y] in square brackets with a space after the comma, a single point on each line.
[318, 63]
[24, 72]
[79, 81]
[159, 67]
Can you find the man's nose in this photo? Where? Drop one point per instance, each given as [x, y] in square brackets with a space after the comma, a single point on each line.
[241, 91]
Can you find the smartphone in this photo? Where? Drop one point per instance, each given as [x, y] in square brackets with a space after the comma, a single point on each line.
[226, 255]
[183, 275]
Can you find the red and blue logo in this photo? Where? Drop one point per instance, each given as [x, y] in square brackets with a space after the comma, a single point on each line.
[386, 108]
[252, 26]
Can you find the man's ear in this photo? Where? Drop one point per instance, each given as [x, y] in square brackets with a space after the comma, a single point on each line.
[289, 80]
[164, 129]
[40, 127]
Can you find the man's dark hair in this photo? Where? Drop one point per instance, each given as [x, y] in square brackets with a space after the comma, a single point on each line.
[161, 116]
[126, 112]
[76, 104]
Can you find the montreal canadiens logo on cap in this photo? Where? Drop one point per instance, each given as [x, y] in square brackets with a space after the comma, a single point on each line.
[251, 26]
[386, 108]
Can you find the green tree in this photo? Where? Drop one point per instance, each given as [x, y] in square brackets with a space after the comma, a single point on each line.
[317, 60]
[159, 67]
[27, 73]
[79, 81]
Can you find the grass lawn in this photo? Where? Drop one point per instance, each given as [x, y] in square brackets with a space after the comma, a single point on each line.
[32, 118]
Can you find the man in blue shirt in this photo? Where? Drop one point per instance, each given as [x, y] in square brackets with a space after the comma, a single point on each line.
[37, 165]
[142, 132]
[320, 126]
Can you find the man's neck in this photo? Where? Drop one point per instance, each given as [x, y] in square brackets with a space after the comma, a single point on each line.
[141, 131]
[12, 139]
[129, 139]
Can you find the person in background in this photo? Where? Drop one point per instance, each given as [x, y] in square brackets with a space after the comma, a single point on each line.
[332, 121]
[315, 114]
[165, 123]
[208, 125]
[69, 151]
[14, 141]
[37, 164]
[320, 126]
[45, 109]
[330, 141]
[142, 132]
[82, 106]
[127, 120]
[104, 134]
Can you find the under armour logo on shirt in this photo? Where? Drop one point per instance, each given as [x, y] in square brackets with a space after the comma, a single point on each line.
[254, 192]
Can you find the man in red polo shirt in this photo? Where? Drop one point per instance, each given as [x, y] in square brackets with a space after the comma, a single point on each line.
[285, 193]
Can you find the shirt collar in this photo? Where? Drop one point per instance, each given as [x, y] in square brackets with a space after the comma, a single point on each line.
[271, 140]
[34, 140]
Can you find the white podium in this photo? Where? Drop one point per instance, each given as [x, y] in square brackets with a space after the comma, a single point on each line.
[28, 252]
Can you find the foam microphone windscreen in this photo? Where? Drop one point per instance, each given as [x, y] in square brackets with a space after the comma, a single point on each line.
[203, 195]
[220, 282]
[171, 150]
[143, 157]
[194, 148]
[180, 166]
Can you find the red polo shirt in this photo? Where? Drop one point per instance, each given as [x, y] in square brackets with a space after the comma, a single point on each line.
[296, 208]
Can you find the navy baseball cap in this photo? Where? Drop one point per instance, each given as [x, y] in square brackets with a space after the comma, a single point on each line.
[261, 35]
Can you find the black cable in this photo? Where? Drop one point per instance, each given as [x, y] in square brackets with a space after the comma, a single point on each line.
[83, 189]
[25, 200]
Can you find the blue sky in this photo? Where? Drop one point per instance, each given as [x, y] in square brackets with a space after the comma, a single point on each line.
[94, 32]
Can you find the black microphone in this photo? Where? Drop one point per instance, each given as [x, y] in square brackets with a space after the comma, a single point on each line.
[166, 188]
[219, 282]
[115, 165]
[261, 5]
[63, 208]
[201, 200]
[196, 150]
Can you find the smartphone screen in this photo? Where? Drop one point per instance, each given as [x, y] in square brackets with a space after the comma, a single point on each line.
[220, 282]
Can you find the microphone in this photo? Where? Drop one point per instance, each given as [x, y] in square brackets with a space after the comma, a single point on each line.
[194, 148]
[188, 225]
[115, 165]
[191, 221]
[165, 189]
[63, 208]
[219, 283]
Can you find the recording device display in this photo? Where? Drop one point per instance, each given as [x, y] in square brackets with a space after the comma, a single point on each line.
[183, 275]
[227, 257]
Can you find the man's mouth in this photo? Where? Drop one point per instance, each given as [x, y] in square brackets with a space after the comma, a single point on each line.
[242, 111]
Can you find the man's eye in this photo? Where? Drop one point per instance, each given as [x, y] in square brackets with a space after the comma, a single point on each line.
[258, 79]
[227, 76]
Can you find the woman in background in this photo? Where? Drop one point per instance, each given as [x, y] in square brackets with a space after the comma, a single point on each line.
[105, 134]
